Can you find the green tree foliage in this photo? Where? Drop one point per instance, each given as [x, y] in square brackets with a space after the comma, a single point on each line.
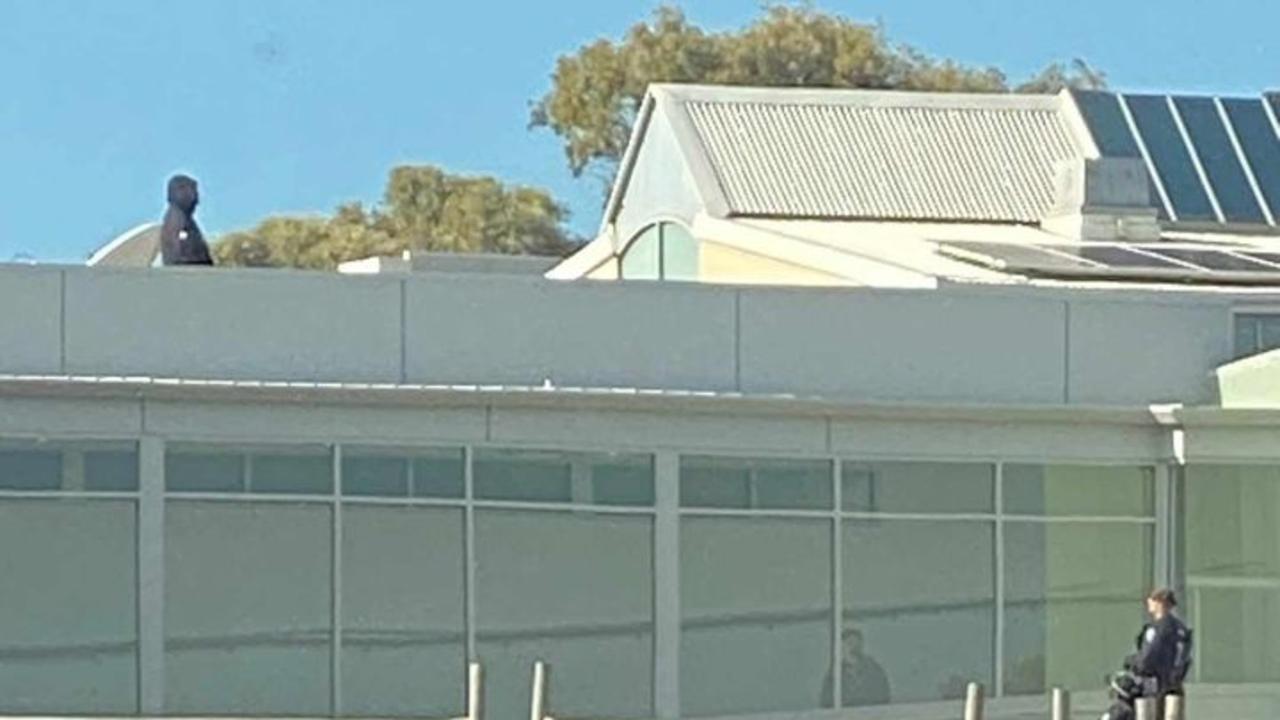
[423, 208]
[597, 90]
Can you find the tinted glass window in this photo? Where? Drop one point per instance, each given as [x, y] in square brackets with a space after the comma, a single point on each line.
[918, 487]
[719, 482]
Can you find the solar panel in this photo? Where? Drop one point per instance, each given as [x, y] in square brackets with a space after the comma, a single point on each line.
[1169, 154]
[1105, 119]
[1014, 257]
[1212, 259]
[1121, 257]
[1273, 258]
[1261, 147]
[1219, 159]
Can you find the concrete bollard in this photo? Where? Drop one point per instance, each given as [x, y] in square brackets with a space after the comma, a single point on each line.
[538, 698]
[1144, 708]
[1174, 707]
[1060, 704]
[973, 702]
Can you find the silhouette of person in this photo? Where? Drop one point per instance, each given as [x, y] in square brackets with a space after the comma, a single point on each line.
[181, 242]
[862, 680]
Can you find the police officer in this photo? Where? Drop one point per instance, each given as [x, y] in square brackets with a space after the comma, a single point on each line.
[1162, 660]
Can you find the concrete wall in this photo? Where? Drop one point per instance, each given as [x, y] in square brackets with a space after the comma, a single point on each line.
[959, 345]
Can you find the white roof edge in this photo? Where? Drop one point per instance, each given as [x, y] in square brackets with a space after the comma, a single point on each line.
[374, 394]
[587, 258]
[627, 164]
[855, 97]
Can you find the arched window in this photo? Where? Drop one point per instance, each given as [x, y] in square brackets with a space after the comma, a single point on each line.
[662, 251]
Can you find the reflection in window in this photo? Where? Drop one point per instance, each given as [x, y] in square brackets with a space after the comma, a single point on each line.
[1233, 571]
[68, 629]
[302, 470]
[917, 487]
[922, 597]
[563, 477]
[83, 467]
[386, 472]
[574, 590]
[247, 611]
[403, 645]
[755, 603]
[1073, 600]
[726, 482]
[1096, 490]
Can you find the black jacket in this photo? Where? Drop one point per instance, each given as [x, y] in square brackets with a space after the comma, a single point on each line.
[181, 242]
[1158, 652]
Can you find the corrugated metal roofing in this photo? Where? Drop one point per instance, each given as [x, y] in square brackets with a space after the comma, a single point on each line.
[858, 156]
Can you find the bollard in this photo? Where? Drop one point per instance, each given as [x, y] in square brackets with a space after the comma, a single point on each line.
[1173, 707]
[973, 702]
[538, 698]
[1060, 704]
[1144, 708]
[474, 694]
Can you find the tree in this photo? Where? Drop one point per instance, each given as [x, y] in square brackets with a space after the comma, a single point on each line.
[423, 208]
[596, 91]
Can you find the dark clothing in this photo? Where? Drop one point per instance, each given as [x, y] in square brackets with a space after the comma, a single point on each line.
[181, 242]
[863, 683]
[1158, 652]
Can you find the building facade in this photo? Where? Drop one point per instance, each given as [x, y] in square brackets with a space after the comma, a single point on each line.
[278, 493]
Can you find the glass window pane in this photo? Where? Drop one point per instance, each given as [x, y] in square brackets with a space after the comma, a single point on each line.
[203, 470]
[1219, 159]
[640, 260]
[755, 603]
[403, 641]
[1169, 154]
[306, 470]
[1246, 335]
[726, 482]
[563, 477]
[1232, 561]
[83, 467]
[679, 253]
[68, 628]
[917, 487]
[574, 590]
[1261, 146]
[247, 608]
[1079, 490]
[1073, 601]
[391, 472]
[919, 610]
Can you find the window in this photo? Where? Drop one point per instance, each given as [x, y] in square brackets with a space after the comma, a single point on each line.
[1256, 333]
[68, 628]
[712, 482]
[1232, 551]
[564, 477]
[388, 472]
[572, 589]
[306, 470]
[663, 251]
[247, 608]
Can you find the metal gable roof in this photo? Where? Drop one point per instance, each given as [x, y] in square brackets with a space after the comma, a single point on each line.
[872, 154]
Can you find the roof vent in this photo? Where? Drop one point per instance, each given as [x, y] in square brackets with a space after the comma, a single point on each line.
[1105, 199]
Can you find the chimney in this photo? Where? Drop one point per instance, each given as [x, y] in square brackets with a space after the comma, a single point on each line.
[1102, 199]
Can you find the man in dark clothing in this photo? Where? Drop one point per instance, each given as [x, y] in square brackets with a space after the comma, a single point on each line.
[862, 680]
[1162, 660]
[181, 242]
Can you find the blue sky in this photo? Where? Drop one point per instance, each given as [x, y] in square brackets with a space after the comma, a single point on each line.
[298, 105]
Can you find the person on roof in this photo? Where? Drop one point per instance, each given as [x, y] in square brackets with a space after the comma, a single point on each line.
[181, 242]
